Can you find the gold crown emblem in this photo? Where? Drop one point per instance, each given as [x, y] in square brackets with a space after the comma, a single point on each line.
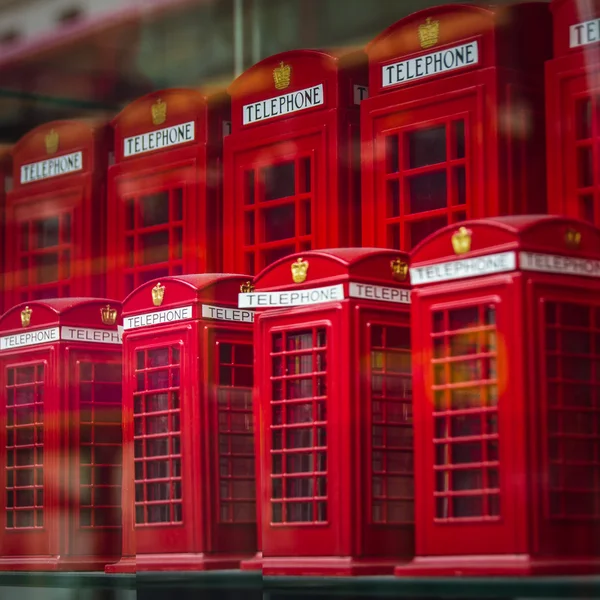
[299, 269]
[429, 33]
[572, 238]
[51, 142]
[282, 76]
[159, 112]
[26, 317]
[109, 315]
[158, 294]
[461, 240]
[399, 269]
[247, 288]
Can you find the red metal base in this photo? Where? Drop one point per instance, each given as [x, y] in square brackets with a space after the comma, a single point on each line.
[55, 563]
[186, 562]
[125, 565]
[327, 565]
[252, 564]
[514, 564]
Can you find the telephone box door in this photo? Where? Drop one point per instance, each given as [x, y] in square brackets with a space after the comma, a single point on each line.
[279, 184]
[231, 416]
[467, 474]
[152, 211]
[567, 333]
[95, 455]
[31, 457]
[301, 493]
[386, 406]
[428, 173]
[163, 505]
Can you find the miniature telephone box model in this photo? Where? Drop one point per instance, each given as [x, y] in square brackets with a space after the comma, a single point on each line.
[506, 330]
[60, 410]
[188, 434]
[334, 407]
[292, 160]
[55, 216]
[572, 96]
[165, 188]
[454, 125]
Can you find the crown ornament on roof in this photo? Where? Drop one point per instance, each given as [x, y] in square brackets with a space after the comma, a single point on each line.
[159, 112]
[399, 269]
[108, 314]
[282, 76]
[461, 240]
[247, 287]
[51, 140]
[429, 33]
[26, 317]
[158, 294]
[299, 270]
[572, 238]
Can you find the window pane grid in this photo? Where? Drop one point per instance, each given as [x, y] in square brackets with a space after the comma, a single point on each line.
[44, 257]
[299, 427]
[392, 493]
[157, 436]
[465, 413]
[25, 446]
[425, 181]
[278, 211]
[99, 444]
[154, 226]
[236, 440]
[572, 344]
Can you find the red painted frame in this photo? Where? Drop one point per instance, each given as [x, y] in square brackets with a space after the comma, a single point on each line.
[189, 173]
[320, 145]
[189, 526]
[573, 128]
[488, 159]
[500, 421]
[75, 524]
[68, 223]
[339, 528]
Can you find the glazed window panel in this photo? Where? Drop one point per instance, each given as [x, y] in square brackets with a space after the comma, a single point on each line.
[157, 436]
[154, 236]
[572, 375]
[465, 413]
[25, 446]
[100, 446]
[426, 180]
[278, 211]
[236, 432]
[392, 493]
[44, 257]
[299, 426]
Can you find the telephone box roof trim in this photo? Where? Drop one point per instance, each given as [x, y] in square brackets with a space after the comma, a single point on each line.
[91, 128]
[56, 309]
[421, 15]
[196, 283]
[202, 98]
[343, 262]
[545, 233]
[328, 57]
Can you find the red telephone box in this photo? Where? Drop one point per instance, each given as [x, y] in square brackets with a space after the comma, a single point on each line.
[292, 160]
[572, 89]
[454, 126]
[55, 215]
[334, 407]
[506, 323]
[188, 428]
[60, 375]
[5, 186]
[165, 188]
